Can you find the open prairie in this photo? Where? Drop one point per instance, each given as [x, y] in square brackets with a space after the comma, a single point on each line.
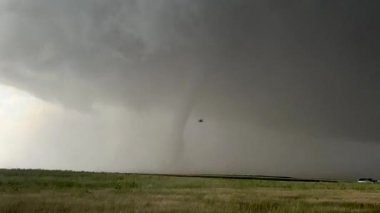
[65, 191]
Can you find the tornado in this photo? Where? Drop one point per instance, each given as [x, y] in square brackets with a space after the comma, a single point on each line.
[211, 87]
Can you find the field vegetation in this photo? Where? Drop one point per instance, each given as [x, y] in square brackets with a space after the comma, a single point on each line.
[65, 191]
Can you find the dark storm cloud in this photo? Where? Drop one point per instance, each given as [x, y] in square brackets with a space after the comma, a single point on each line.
[301, 68]
[300, 65]
[80, 49]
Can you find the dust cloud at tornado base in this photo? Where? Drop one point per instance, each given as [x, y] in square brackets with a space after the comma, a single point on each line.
[284, 88]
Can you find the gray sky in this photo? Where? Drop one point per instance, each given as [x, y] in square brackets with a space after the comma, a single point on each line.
[284, 87]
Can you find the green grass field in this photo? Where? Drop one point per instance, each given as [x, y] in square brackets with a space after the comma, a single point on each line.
[62, 191]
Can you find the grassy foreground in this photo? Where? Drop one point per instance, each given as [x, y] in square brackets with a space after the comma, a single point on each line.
[62, 191]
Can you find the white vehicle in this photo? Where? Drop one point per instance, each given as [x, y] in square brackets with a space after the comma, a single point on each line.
[366, 180]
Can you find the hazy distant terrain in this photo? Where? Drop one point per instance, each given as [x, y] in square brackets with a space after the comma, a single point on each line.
[61, 191]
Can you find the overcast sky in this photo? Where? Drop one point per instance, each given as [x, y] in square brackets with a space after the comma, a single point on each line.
[284, 88]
